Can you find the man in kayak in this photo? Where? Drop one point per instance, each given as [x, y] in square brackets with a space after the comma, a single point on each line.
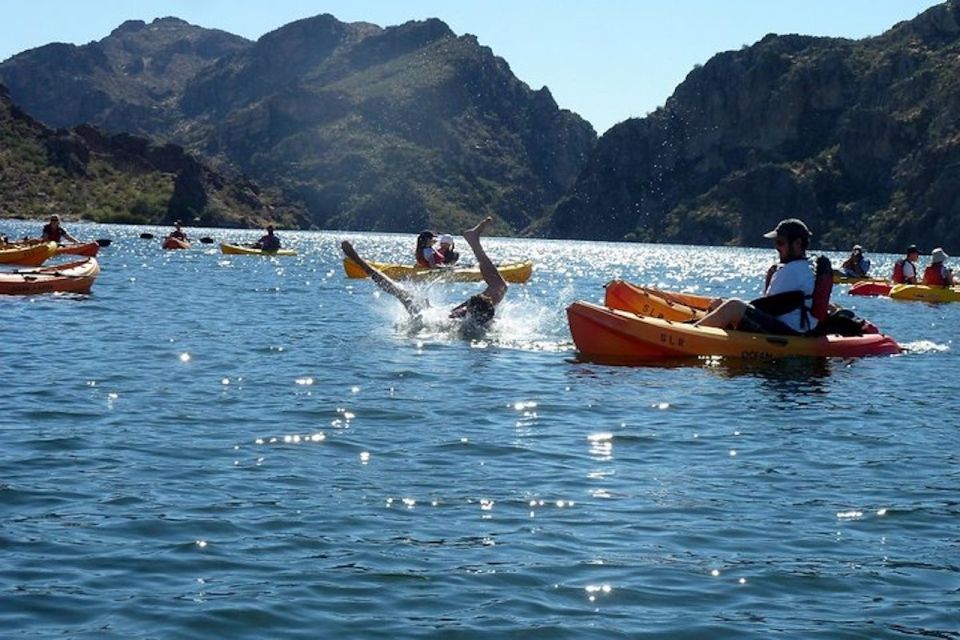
[476, 311]
[905, 269]
[787, 282]
[178, 233]
[269, 242]
[53, 232]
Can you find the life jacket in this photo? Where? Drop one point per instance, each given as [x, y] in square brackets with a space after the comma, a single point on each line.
[437, 258]
[50, 233]
[898, 271]
[933, 275]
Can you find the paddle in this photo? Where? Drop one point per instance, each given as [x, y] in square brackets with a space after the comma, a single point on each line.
[104, 242]
[146, 236]
[206, 240]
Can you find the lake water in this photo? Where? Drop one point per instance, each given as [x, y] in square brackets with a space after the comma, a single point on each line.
[215, 446]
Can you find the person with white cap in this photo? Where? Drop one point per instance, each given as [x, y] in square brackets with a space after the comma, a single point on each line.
[856, 266]
[783, 309]
[450, 256]
[937, 273]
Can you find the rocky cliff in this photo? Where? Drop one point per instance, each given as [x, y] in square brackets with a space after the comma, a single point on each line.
[85, 173]
[859, 138]
[370, 128]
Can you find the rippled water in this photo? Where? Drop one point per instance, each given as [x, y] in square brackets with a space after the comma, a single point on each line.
[235, 447]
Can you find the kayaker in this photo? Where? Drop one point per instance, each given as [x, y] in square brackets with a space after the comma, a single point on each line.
[450, 255]
[790, 283]
[178, 232]
[425, 255]
[477, 311]
[937, 273]
[269, 242]
[905, 269]
[53, 232]
[856, 266]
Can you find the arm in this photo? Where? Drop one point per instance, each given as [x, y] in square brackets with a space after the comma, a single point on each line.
[70, 237]
[382, 280]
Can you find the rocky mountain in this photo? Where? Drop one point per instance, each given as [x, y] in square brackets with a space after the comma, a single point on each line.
[85, 173]
[393, 128]
[859, 138]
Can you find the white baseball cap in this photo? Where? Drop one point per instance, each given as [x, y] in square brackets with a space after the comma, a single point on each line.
[446, 239]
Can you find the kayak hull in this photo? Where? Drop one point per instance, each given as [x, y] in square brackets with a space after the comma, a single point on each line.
[841, 279]
[646, 301]
[237, 250]
[871, 289]
[72, 277]
[514, 272]
[88, 249]
[28, 255]
[175, 243]
[925, 293]
[613, 336]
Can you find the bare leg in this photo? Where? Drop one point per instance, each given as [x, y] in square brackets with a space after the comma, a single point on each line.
[496, 285]
[726, 316]
[382, 280]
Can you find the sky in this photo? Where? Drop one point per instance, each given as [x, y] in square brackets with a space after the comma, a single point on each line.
[607, 60]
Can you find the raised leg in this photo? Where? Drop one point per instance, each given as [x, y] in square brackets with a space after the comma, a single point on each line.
[496, 285]
[382, 280]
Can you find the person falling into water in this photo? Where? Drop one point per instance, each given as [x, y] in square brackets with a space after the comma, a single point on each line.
[477, 311]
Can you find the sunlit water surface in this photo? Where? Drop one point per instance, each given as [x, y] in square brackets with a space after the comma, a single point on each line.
[235, 447]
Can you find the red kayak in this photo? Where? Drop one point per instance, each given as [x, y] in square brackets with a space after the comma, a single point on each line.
[175, 243]
[88, 249]
[875, 288]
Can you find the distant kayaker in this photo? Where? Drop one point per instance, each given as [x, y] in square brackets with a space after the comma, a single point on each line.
[790, 285]
[53, 232]
[905, 269]
[450, 255]
[856, 266]
[477, 311]
[937, 273]
[425, 255]
[178, 233]
[269, 242]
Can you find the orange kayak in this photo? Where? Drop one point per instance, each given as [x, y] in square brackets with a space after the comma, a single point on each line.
[75, 277]
[175, 243]
[88, 249]
[646, 301]
[30, 255]
[612, 336]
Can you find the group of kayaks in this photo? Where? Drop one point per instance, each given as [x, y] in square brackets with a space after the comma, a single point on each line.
[917, 292]
[71, 277]
[172, 243]
[639, 324]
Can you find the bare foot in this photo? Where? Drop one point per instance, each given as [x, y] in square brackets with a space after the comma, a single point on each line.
[473, 234]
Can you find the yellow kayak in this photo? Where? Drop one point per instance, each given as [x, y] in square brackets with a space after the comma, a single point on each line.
[842, 279]
[30, 255]
[238, 250]
[925, 293]
[516, 272]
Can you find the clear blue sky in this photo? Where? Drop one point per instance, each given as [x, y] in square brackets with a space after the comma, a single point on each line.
[608, 60]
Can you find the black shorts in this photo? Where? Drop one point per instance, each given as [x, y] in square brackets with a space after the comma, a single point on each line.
[756, 321]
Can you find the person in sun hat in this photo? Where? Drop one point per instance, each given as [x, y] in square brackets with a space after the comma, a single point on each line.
[856, 266]
[52, 231]
[905, 269]
[450, 255]
[425, 254]
[937, 273]
[784, 308]
[477, 312]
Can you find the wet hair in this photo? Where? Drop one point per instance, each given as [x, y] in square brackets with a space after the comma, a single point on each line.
[479, 309]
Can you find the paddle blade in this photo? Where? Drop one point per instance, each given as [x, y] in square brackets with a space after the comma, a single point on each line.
[146, 236]
[206, 240]
[104, 242]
